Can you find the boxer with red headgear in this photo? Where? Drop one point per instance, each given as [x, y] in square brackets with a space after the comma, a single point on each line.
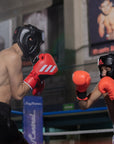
[104, 87]
[27, 40]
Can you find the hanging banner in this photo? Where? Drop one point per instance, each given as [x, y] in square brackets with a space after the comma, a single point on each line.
[101, 26]
[33, 119]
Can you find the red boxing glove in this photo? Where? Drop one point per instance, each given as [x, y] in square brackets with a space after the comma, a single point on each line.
[106, 85]
[82, 81]
[45, 66]
[39, 88]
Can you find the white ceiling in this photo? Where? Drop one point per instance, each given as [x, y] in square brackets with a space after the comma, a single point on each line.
[12, 8]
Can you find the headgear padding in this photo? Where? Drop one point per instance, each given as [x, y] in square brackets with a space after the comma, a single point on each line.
[29, 38]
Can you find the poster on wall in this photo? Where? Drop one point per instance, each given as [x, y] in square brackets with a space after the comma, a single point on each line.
[101, 26]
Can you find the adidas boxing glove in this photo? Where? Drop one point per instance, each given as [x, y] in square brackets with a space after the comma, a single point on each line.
[38, 88]
[44, 67]
[82, 81]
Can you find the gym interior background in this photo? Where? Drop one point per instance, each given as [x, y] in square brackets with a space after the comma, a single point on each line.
[65, 23]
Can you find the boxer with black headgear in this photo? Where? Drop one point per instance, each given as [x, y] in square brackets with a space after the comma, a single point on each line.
[105, 86]
[26, 42]
[29, 38]
[108, 61]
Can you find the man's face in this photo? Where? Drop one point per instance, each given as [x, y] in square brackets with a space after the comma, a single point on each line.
[104, 70]
[106, 7]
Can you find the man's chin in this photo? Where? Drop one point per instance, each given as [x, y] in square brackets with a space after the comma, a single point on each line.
[106, 14]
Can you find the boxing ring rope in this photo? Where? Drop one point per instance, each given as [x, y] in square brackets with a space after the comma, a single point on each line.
[71, 132]
[65, 112]
[17, 112]
[77, 132]
[77, 111]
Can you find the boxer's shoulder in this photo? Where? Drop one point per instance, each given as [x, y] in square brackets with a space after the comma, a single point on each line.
[9, 60]
[12, 56]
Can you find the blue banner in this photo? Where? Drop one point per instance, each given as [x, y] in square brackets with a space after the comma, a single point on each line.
[33, 119]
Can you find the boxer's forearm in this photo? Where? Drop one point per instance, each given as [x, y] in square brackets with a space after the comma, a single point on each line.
[21, 91]
[83, 104]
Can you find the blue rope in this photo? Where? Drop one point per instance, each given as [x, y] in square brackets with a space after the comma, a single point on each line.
[65, 112]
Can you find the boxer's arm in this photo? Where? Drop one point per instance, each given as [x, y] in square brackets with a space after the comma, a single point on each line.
[17, 86]
[92, 97]
[101, 27]
[105, 87]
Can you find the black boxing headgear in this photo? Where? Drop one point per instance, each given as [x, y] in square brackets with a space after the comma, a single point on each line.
[107, 60]
[29, 38]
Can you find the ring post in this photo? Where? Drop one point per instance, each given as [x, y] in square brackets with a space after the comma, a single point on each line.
[33, 119]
